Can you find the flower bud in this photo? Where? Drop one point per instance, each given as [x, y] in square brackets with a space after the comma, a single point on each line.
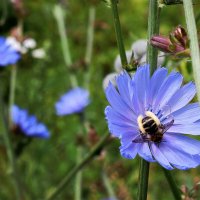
[164, 44]
[180, 35]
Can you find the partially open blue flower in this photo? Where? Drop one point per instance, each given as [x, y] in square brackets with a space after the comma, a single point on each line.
[28, 125]
[8, 55]
[150, 116]
[74, 101]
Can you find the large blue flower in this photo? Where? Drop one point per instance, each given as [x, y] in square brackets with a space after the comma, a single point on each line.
[8, 55]
[28, 125]
[150, 116]
[74, 101]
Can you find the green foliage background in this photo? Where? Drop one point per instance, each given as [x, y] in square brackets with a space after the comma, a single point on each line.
[40, 83]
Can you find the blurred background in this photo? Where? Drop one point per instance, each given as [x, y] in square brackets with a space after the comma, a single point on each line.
[41, 81]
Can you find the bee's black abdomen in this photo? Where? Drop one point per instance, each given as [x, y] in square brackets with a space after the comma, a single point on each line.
[149, 125]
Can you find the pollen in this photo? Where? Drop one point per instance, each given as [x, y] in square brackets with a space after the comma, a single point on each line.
[140, 125]
[153, 116]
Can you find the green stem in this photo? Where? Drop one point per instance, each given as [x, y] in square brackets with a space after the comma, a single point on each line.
[9, 150]
[80, 148]
[59, 16]
[108, 185]
[171, 2]
[90, 35]
[143, 180]
[172, 184]
[4, 12]
[54, 192]
[89, 46]
[194, 44]
[12, 92]
[78, 180]
[153, 28]
[118, 32]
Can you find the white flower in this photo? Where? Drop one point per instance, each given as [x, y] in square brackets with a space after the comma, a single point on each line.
[39, 53]
[29, 43]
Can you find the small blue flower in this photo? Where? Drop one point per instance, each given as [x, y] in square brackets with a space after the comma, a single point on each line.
[28, 125]
[74, 101]
[150, 115]
[8, 55]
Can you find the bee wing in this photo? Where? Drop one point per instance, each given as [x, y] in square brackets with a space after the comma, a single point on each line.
[140, 139]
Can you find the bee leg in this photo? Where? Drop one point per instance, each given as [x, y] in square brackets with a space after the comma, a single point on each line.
[168, 125]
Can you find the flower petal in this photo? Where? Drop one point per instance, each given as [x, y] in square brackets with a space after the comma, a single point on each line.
[193, 129]
[183, 143]
[142, 84]
[145, 152]
[117, 102]
[156, 81]
[178, 158]
[124, 87]
[116, 118]
[129, 151]
[160, 158]
[187, 114]
[182, 97]
[171, 84]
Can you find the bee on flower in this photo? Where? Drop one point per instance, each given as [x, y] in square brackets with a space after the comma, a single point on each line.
[151, 115]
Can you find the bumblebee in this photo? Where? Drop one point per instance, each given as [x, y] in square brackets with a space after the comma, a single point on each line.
[151, 128]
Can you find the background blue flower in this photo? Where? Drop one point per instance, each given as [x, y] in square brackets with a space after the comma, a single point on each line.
[8, 55]
[28, 125]
[74, 101]
[164, 96]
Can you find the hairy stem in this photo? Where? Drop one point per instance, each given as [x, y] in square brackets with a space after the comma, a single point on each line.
[153, 29]
[118, 32]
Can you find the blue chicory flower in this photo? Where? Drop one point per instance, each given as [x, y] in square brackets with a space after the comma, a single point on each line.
[28, 125]
[8, 55]
[74, 101]
[150, 116]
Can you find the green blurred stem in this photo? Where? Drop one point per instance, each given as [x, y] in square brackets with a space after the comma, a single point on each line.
[108, 185]
[53, 193]
[153, 29]
[4, 12]
[194, 44]
[13, 77]
[172, 184]
[143, 180]
[89, 45]
[80, 149]
[78, 180]
[90, 35]
[59, 16]
[9, 149]
[171, 2]
[118, 32]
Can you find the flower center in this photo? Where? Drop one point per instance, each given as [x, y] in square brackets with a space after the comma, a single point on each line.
[150, 127]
